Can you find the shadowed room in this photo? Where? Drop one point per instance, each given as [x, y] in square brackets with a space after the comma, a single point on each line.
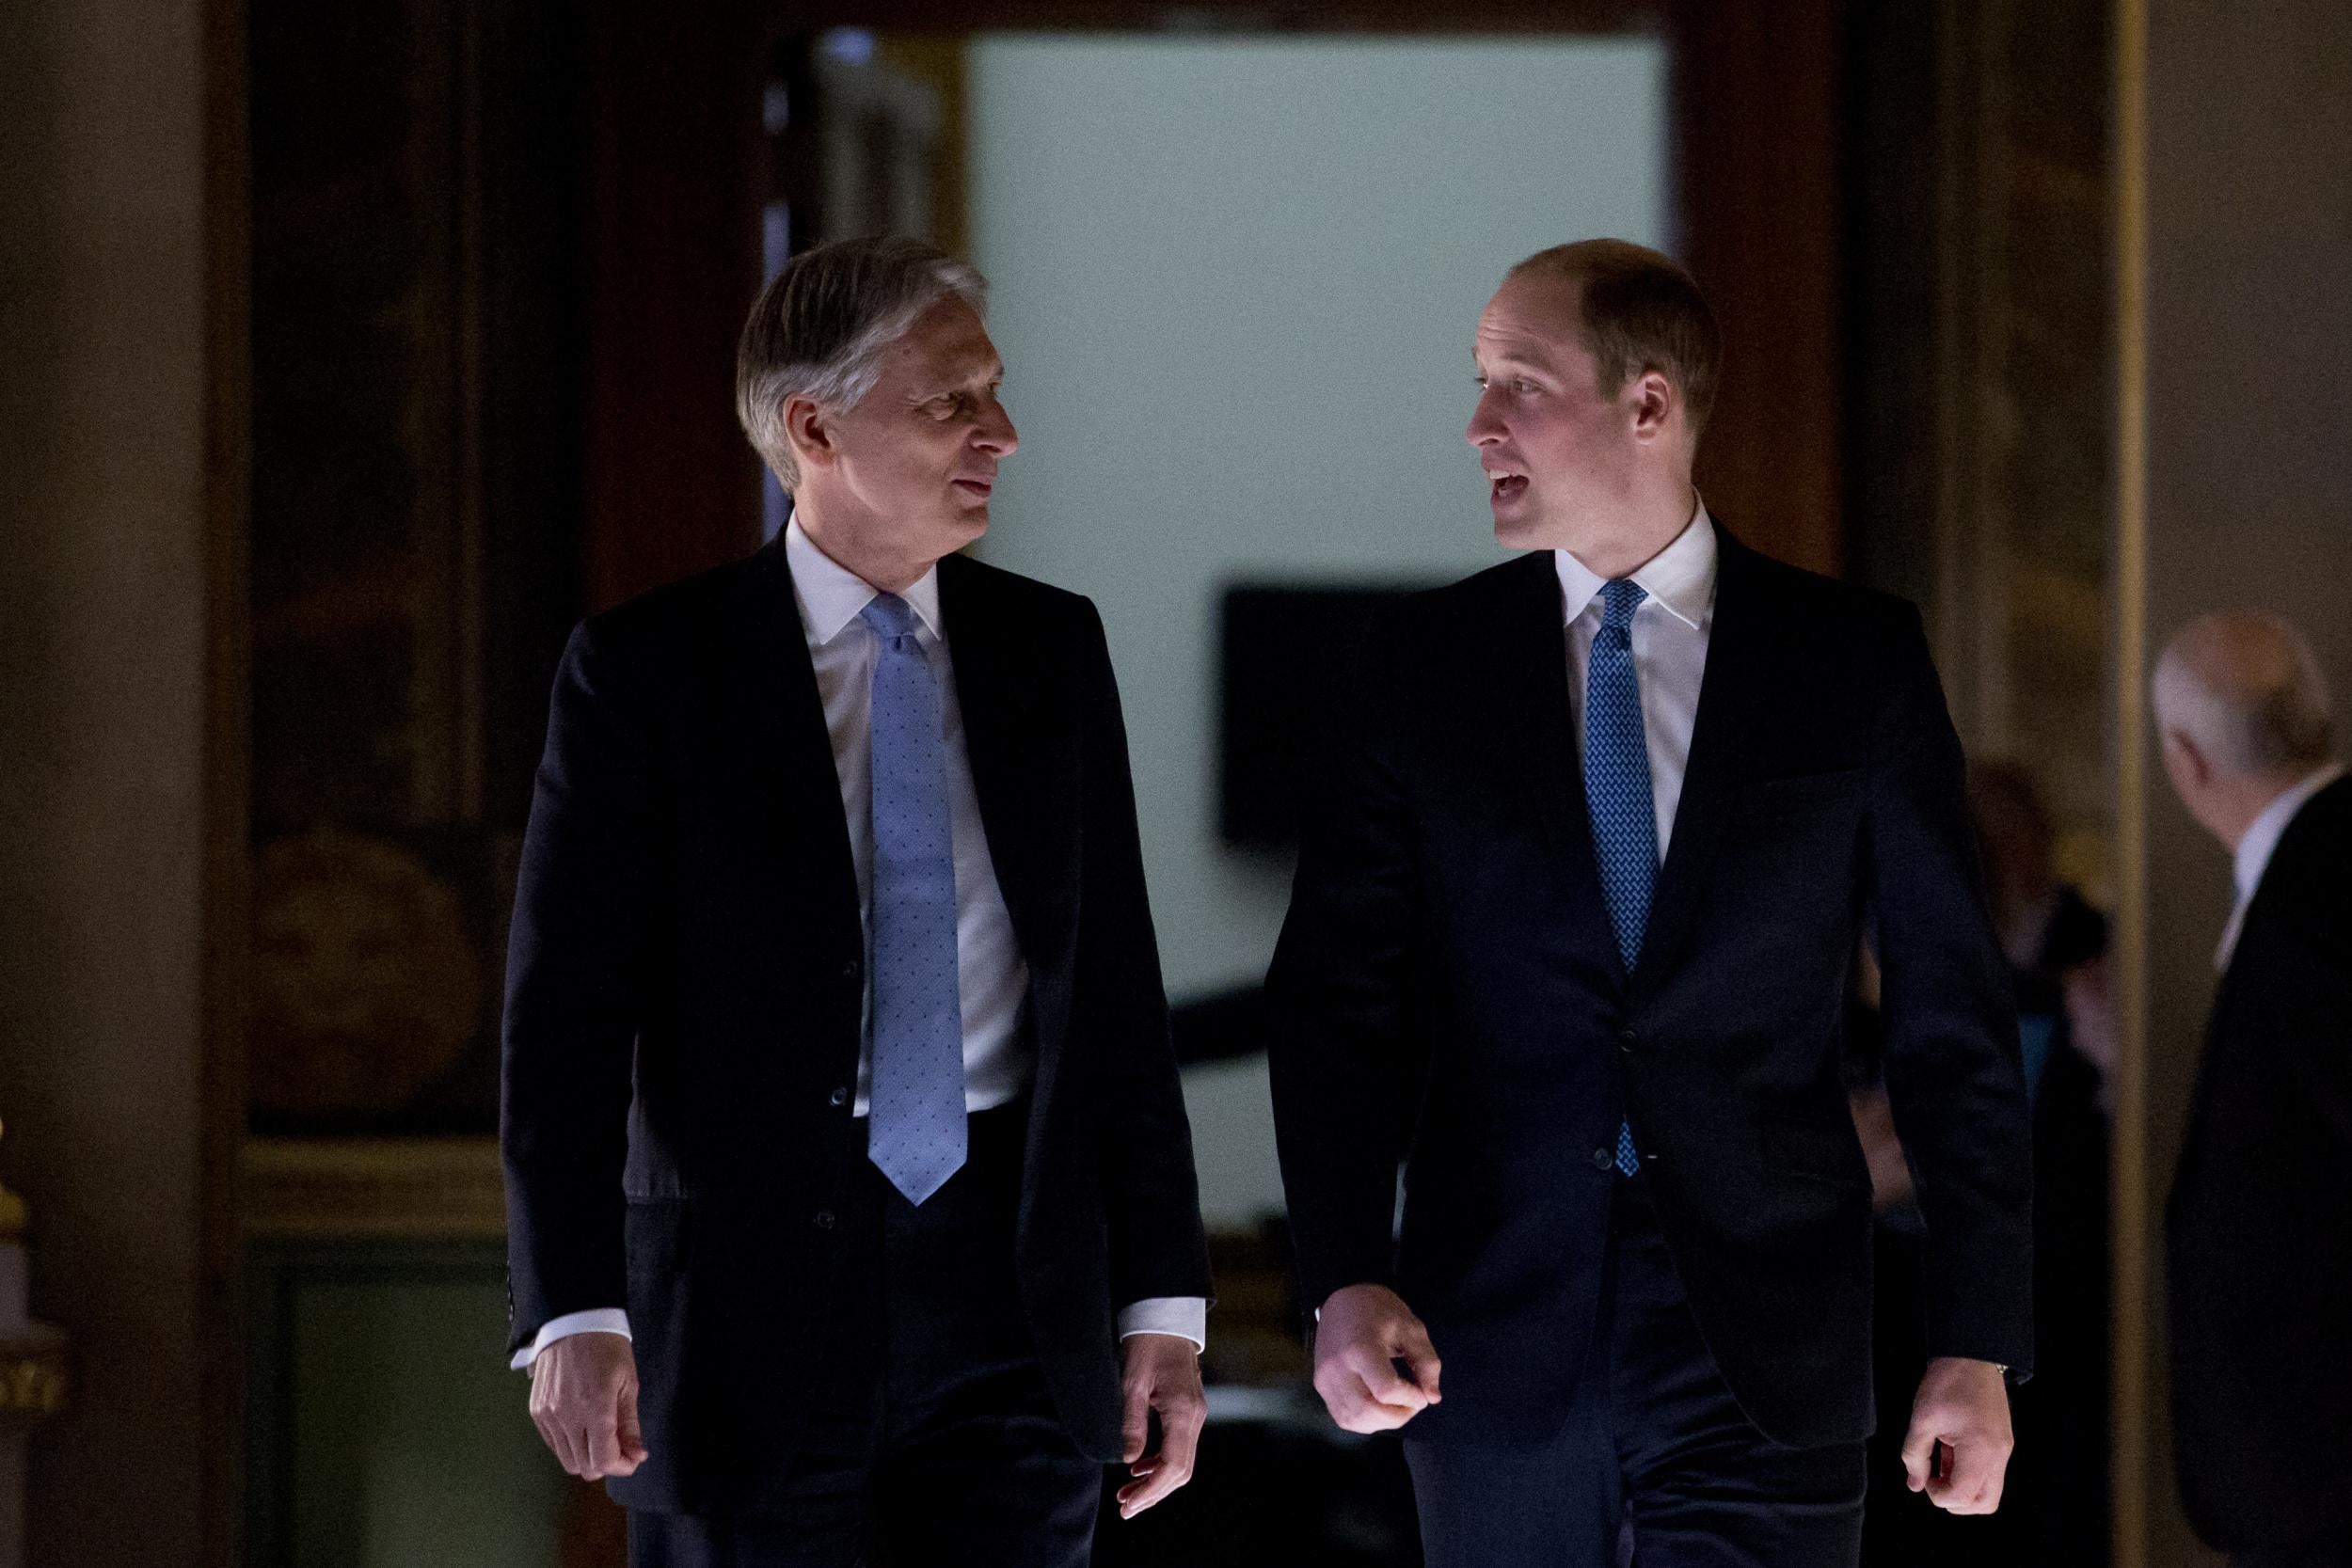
[352, 355]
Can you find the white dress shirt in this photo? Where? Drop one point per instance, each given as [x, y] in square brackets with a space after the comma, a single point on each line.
[2260, 843]
[1670, 632]
[991, 977]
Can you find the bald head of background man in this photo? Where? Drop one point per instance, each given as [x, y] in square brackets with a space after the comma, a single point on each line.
[2242, 709]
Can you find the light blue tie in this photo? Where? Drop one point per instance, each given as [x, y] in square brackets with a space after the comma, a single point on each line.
[915, 1132]
[1618, 791]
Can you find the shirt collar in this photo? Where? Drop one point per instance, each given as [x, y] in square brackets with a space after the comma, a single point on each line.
[2261, 837]
[1681, 576]
[831, 595]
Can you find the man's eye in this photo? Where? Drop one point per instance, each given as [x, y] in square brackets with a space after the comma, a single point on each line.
[1525, 387]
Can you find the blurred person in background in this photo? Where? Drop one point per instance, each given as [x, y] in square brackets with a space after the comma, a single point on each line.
[851, 1207]
[2259, 1229]
[2055, 1505]
[1568, 939]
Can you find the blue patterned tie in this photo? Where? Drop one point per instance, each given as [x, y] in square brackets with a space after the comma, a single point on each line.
[916, 1129]
[1616, 790]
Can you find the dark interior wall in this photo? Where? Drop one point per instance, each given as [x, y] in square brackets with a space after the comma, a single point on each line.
[102, 672]
[1758, 124]
[671, 245]
[2247, 185]
[1891, 169]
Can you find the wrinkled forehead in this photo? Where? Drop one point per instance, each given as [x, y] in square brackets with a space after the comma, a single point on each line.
[947, 342]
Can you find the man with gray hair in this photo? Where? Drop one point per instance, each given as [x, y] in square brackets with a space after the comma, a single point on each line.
[2260, 1276]
[851, 1208]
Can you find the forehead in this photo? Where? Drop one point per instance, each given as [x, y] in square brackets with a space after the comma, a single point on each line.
[947, 342]
[1533, 320]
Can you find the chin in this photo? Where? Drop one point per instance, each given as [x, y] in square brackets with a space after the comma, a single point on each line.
[963, 526]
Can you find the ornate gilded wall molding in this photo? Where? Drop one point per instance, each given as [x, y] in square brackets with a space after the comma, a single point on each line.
[34, 1384]
[372, 1188]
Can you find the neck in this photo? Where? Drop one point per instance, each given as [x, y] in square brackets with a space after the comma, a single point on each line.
[2247, 799]
[2242, 801]
[854, 540]
[1646, 522]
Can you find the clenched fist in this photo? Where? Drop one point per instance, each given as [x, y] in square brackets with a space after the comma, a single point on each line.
[1961, 1410]
[1362, 1331]
[583, 1401]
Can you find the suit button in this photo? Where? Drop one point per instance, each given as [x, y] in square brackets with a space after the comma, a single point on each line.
[1627, 1039]
[824, 1219]
[839, 1097]
[1603, 1159]
[851, 970]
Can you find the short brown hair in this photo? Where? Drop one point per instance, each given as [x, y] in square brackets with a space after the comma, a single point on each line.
[1641, 311]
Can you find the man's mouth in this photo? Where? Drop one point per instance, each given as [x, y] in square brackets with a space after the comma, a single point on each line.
[1506, 485]
[980, 487]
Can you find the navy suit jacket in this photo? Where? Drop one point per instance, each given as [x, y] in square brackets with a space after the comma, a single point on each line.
[684, 988]
[1447, 996]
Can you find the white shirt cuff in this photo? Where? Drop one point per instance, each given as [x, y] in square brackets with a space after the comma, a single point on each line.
[601, 1319]
[1185, 1317]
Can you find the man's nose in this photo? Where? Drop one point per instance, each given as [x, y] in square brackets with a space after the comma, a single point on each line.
[1486, 427]
[996, 432]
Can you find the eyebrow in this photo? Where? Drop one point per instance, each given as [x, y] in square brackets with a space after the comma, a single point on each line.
[1504, 359]
[947, 382]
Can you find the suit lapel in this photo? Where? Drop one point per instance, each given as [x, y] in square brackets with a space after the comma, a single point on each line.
[1539, 723]
[1738, 649]
[788, 745]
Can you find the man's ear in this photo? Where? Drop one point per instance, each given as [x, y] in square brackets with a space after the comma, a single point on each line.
[2187, 761]
[1655, 399]
[808, 425]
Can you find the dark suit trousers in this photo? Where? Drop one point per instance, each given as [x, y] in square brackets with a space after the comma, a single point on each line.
[1655, 1463]
[930, 1437]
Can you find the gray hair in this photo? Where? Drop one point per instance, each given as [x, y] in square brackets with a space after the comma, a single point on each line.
[2246, 690]
[820, 329]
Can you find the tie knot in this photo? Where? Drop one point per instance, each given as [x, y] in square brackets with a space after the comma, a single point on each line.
[1619, 599]
[890, 616]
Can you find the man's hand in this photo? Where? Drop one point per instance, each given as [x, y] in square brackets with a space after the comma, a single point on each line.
[1163, 1373]
[1362, 1332]
[1963, 1406]
[583, 1401]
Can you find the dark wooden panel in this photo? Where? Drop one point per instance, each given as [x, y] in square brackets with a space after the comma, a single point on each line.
[1756, 117]
[673, 244]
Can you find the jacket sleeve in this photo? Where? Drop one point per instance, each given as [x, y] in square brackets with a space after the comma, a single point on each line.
[1338, 1004]
[1152, 1198]
[1953, 1073]
[574, 996]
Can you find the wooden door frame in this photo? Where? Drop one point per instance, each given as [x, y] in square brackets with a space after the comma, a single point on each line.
[676, 176]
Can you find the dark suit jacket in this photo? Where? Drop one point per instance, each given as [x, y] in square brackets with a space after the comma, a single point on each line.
[1447, 993]
[2260, 1223]
[683, 996]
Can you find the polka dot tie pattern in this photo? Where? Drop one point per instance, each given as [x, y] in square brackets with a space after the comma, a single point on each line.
[915, 1132]
[1617, 789]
